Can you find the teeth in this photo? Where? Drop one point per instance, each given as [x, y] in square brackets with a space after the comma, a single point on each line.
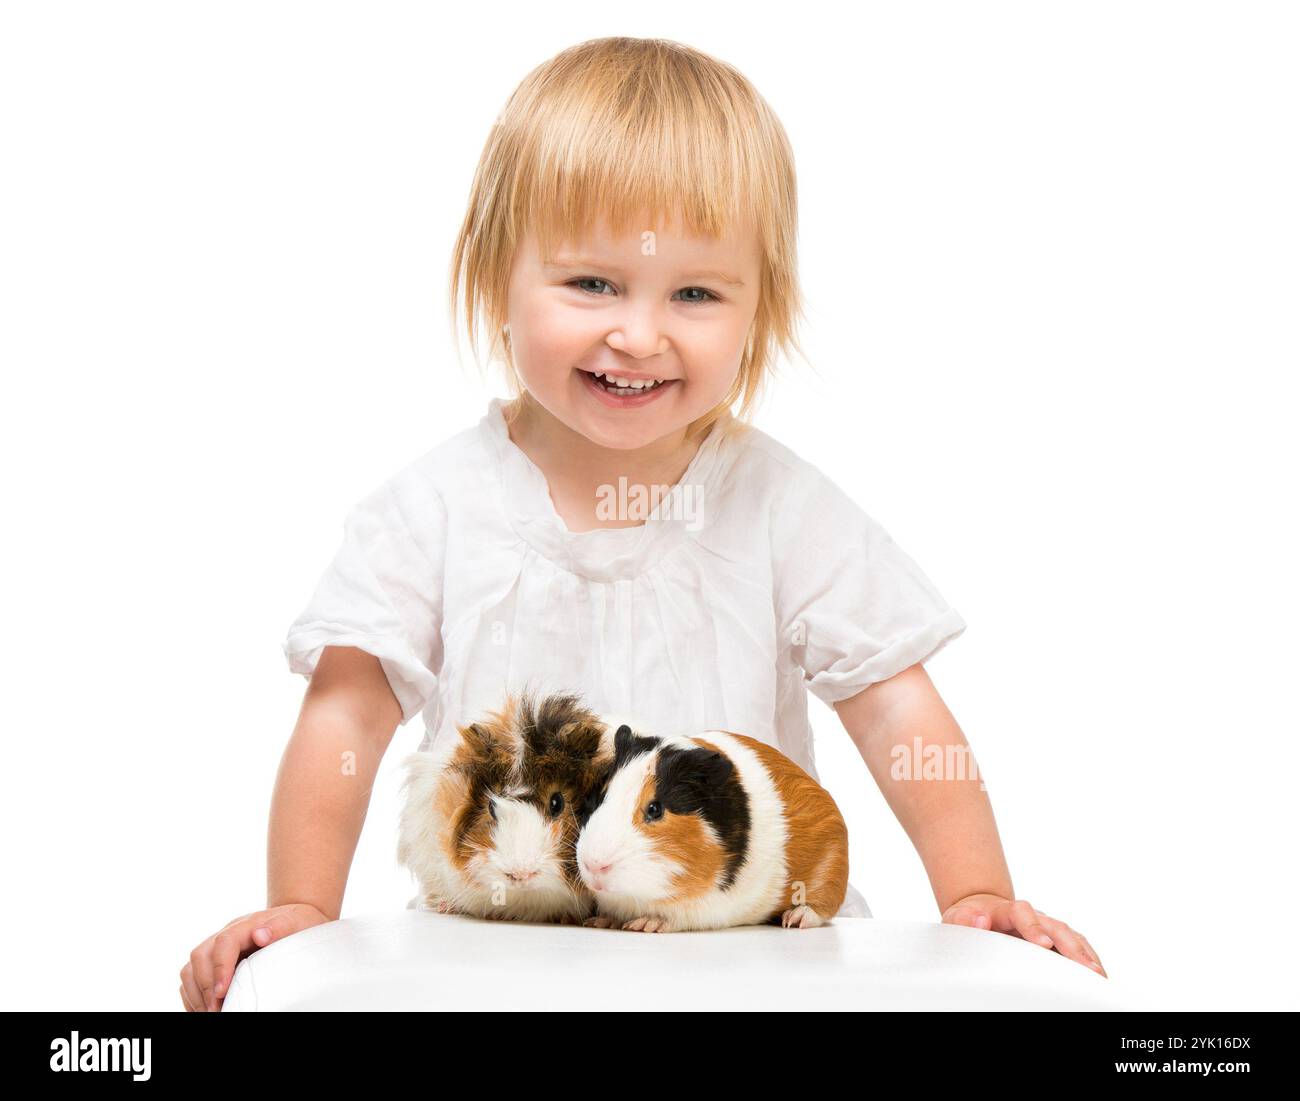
[633, 385]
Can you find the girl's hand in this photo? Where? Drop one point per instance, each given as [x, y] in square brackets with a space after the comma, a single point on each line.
[205, 979]
[1003, 915]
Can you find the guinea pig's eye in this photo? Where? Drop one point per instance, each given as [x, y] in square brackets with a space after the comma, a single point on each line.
[654, 810]
[556, 804]
[492, 808]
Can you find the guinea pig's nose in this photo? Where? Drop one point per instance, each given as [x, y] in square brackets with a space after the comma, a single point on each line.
[521, 875]
[594, 868]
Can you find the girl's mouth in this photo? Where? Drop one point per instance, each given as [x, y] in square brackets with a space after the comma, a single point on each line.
[622, 393]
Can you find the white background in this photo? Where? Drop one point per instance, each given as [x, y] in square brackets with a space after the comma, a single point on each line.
[1050, 252]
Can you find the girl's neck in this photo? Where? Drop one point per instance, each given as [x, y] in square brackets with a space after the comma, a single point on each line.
[576, 469]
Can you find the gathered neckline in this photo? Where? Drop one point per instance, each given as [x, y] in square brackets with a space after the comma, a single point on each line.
[605, 554]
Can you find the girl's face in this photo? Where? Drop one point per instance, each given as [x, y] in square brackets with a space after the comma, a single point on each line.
[649, 306]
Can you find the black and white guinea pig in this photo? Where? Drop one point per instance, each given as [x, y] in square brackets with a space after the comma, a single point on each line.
[489, 820]
[710, 831]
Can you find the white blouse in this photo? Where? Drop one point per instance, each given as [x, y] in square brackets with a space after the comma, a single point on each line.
[754, 581]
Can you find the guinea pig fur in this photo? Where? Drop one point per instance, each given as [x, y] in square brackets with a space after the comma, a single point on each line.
[489, 824]
[710, 831]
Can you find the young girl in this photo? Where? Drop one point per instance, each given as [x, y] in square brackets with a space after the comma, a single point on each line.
[617, 528]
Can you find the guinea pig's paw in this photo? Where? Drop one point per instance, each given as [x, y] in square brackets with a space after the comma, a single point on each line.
[598, 922]
[801, 917]
[649, 925]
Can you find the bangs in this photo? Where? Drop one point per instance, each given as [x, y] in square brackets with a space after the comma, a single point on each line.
[668, 142]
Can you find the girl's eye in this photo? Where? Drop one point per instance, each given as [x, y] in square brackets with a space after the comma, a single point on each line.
[592, 279]
[557, 804]
[708, 296]
[654, 811]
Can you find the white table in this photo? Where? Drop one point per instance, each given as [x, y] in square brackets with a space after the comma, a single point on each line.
[414, 960]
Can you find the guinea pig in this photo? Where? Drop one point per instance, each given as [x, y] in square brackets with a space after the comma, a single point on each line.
[710, 831]
[489, 820]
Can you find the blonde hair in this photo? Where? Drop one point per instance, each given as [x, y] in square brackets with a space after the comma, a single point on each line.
[613, 129]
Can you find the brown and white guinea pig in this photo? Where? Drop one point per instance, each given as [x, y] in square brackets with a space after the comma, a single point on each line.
[710, 831]
[488, 825]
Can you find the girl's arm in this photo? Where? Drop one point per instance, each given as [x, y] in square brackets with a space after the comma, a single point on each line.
[923, 766]
[322, 790]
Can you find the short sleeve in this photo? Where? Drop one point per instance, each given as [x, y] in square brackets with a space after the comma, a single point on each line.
[382, 592]
[852, 605]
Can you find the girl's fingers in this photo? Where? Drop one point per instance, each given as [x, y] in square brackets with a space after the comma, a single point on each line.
[271, 927]
[190, 993]
[1021, 919]
[213, 962]
[1066, 940]
[1025, 920]
[240, 939]
[205, 979]
[201, 967]
[964, 915]
[1092, 955]
[227, 948]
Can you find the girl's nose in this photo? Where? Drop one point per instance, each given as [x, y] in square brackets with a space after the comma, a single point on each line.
[639, 334]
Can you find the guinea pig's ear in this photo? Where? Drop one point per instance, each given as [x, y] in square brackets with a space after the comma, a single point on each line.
[478, 738]
[622, 736]
[575, 741]
[486, 747]
[627, 745]
[595, 794]
[688, 779]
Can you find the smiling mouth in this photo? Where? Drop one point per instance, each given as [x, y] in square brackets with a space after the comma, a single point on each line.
[623, 387]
